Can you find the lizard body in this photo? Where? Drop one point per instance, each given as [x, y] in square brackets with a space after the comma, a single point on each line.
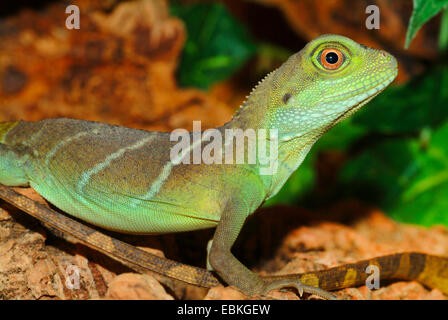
[124, 179]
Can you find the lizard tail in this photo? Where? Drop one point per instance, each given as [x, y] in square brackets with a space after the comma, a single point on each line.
[431, 271]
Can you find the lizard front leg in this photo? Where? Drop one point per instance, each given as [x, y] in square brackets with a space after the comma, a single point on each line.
[233, 272]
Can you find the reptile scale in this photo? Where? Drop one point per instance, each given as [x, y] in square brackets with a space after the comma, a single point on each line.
[122, 179]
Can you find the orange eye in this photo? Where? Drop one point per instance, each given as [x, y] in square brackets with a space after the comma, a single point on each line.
[331, 59]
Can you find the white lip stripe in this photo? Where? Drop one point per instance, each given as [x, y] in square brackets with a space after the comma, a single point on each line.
[62, 143]
[85, 177]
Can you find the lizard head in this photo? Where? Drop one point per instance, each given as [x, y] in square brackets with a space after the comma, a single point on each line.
[324, 83]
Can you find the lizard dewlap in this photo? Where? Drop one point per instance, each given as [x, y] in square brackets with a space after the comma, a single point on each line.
[123, 179]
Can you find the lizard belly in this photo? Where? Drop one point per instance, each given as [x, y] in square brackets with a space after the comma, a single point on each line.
[122, 213]
[172, 205]
[189, 197]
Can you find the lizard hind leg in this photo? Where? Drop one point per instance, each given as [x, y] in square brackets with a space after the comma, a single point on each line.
[12, 163]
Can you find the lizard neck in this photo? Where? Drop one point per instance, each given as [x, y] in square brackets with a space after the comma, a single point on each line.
[290, 150]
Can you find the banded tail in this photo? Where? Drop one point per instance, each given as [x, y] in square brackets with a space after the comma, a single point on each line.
[429, 270]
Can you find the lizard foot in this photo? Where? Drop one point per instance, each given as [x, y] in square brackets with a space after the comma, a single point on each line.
[301, 288]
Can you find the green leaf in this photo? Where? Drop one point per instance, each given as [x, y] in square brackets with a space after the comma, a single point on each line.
[423, 11]
[443, 36]
[408, 181]
[409, 108]
[217, 45]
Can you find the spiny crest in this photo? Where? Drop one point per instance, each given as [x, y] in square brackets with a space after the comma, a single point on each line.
[254, 89]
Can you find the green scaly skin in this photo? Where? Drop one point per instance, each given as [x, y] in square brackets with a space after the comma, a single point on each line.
[122, 179]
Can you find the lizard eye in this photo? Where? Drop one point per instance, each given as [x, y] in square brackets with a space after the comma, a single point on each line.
[331, 59]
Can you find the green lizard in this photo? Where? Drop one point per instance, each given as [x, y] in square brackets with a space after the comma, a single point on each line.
[124, 179]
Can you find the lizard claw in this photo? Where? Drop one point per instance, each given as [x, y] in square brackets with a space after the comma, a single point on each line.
[301, 288]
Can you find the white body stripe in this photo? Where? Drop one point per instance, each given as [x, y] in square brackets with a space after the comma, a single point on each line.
[85, 177]
[62, 143]
[157, 184]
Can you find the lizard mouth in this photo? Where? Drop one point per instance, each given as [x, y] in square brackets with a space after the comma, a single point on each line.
[365, 92]
[369, 95]
[357, 100]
